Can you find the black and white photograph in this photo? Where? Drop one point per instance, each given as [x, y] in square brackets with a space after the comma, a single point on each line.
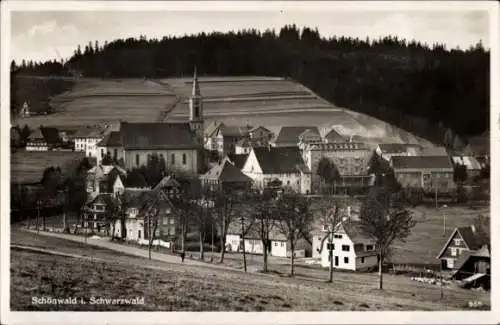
[252, 157]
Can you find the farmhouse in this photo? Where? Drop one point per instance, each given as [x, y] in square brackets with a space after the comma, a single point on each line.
[351, 249]
[351, 161]
[289, 136]
[285, 164]
[43, 139]
[226, 177]
[430, 173]
[461, 240]
[86, 140]
[473, 268]
[98, 213]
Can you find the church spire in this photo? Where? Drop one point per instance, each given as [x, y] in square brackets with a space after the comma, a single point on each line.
[196, 86]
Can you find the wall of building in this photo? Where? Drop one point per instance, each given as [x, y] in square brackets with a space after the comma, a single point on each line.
[279, 248]
[366, 262]
[456, 248]
[102, 151]
[425, 179]
[338, 252]
[191, 163]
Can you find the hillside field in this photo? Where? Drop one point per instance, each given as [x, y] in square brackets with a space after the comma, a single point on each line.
[176, 287]
[28, 167]
[268, 101]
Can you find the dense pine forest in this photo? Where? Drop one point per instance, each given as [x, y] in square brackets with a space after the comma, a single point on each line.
[415, 86]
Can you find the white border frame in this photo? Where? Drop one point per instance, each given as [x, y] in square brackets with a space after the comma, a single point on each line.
[460, 317]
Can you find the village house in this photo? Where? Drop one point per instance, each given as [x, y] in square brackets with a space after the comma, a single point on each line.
[226, 137]
[279, 246]
[285, 164]
[473, 268]
[25, 110]
[43, 139]
[351, 161]
[136, 222]
[243, 147]
[430, 173]
[227, 177]
[351, 249]
[461, 240]
[86, 140]
[99, 212]
[289, 136]
[170, 186]
[472, 166]
[330, 135]
[388, 150]
[106, 179]
[260, 136]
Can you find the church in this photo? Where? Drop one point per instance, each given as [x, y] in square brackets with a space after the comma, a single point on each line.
[179, 144]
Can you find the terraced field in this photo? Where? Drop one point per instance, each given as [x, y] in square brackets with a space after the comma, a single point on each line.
[268, 101]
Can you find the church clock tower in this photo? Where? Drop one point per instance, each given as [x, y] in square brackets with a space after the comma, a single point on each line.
[196, 109]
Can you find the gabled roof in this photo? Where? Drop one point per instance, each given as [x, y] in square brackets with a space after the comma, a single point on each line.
[105, 199]
[157, 136]
[483, 252]
[36, 135]
[211, 128]
[334, 136]
[226, 172]
[421, 162]
[112, 139]
[310, 136]
[238, 160]
[433, 151]
[280, 160]
[259, 127]
[353, 230]
[290, 134]
[393, 147]
[167, 181]
[244, 143]
[470, 163]
[51, 135]
[135, 179]
[467, 234]
[233, 131]
[89, 132]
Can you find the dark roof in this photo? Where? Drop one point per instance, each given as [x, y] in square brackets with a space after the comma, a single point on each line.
[36, 135]
[353, 230]
[105, 198]
[167, 182]
[135, 179]
[469, 236]
[226, 172]
[157, 136]
[233, 131]
[89, 132]
[112, 139]
[51, 135]
[334, 136]
[290, 134]
[393, 147]
[238, 160]
[243, 143]
[421, 162]
[481, 253]
[279, 160]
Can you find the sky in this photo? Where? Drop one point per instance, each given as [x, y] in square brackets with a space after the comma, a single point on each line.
[42, 35]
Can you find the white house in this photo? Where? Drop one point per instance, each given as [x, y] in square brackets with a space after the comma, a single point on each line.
[351, 250]
[267, 164]
[86, 140]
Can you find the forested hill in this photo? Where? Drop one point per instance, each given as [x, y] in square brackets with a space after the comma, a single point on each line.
[408, 84]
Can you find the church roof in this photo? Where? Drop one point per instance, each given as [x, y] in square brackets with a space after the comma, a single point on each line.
[155, 136]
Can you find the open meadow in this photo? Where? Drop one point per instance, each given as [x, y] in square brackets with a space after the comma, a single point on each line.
[28, 167]
[176, 287]
[268, 101]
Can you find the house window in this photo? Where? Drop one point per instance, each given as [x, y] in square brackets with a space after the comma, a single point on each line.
[346, 260]
[183, 158]
[457, 241]
[325, 227]
[172, 159]
[362, 260]
[337, 236]
[345, 248]
[453, 252]
[369, 247]
[275, 243]
[137, 159]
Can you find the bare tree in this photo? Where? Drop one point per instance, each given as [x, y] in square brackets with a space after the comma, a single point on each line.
[203, 218]
[151, 222]
[331, 216]
[264, 218]
[383, 220]
[295, 220]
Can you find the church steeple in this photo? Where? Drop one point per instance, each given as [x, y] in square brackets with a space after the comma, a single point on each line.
[196, 108]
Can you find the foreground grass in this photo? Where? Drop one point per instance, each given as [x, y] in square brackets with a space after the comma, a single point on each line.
[172, 287]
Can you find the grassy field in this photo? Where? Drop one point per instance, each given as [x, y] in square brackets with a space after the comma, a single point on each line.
[167, 287]
[251, 100]
[427, 238]
[28, 167]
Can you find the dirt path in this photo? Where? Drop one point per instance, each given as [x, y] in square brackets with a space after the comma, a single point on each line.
[130, 250]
